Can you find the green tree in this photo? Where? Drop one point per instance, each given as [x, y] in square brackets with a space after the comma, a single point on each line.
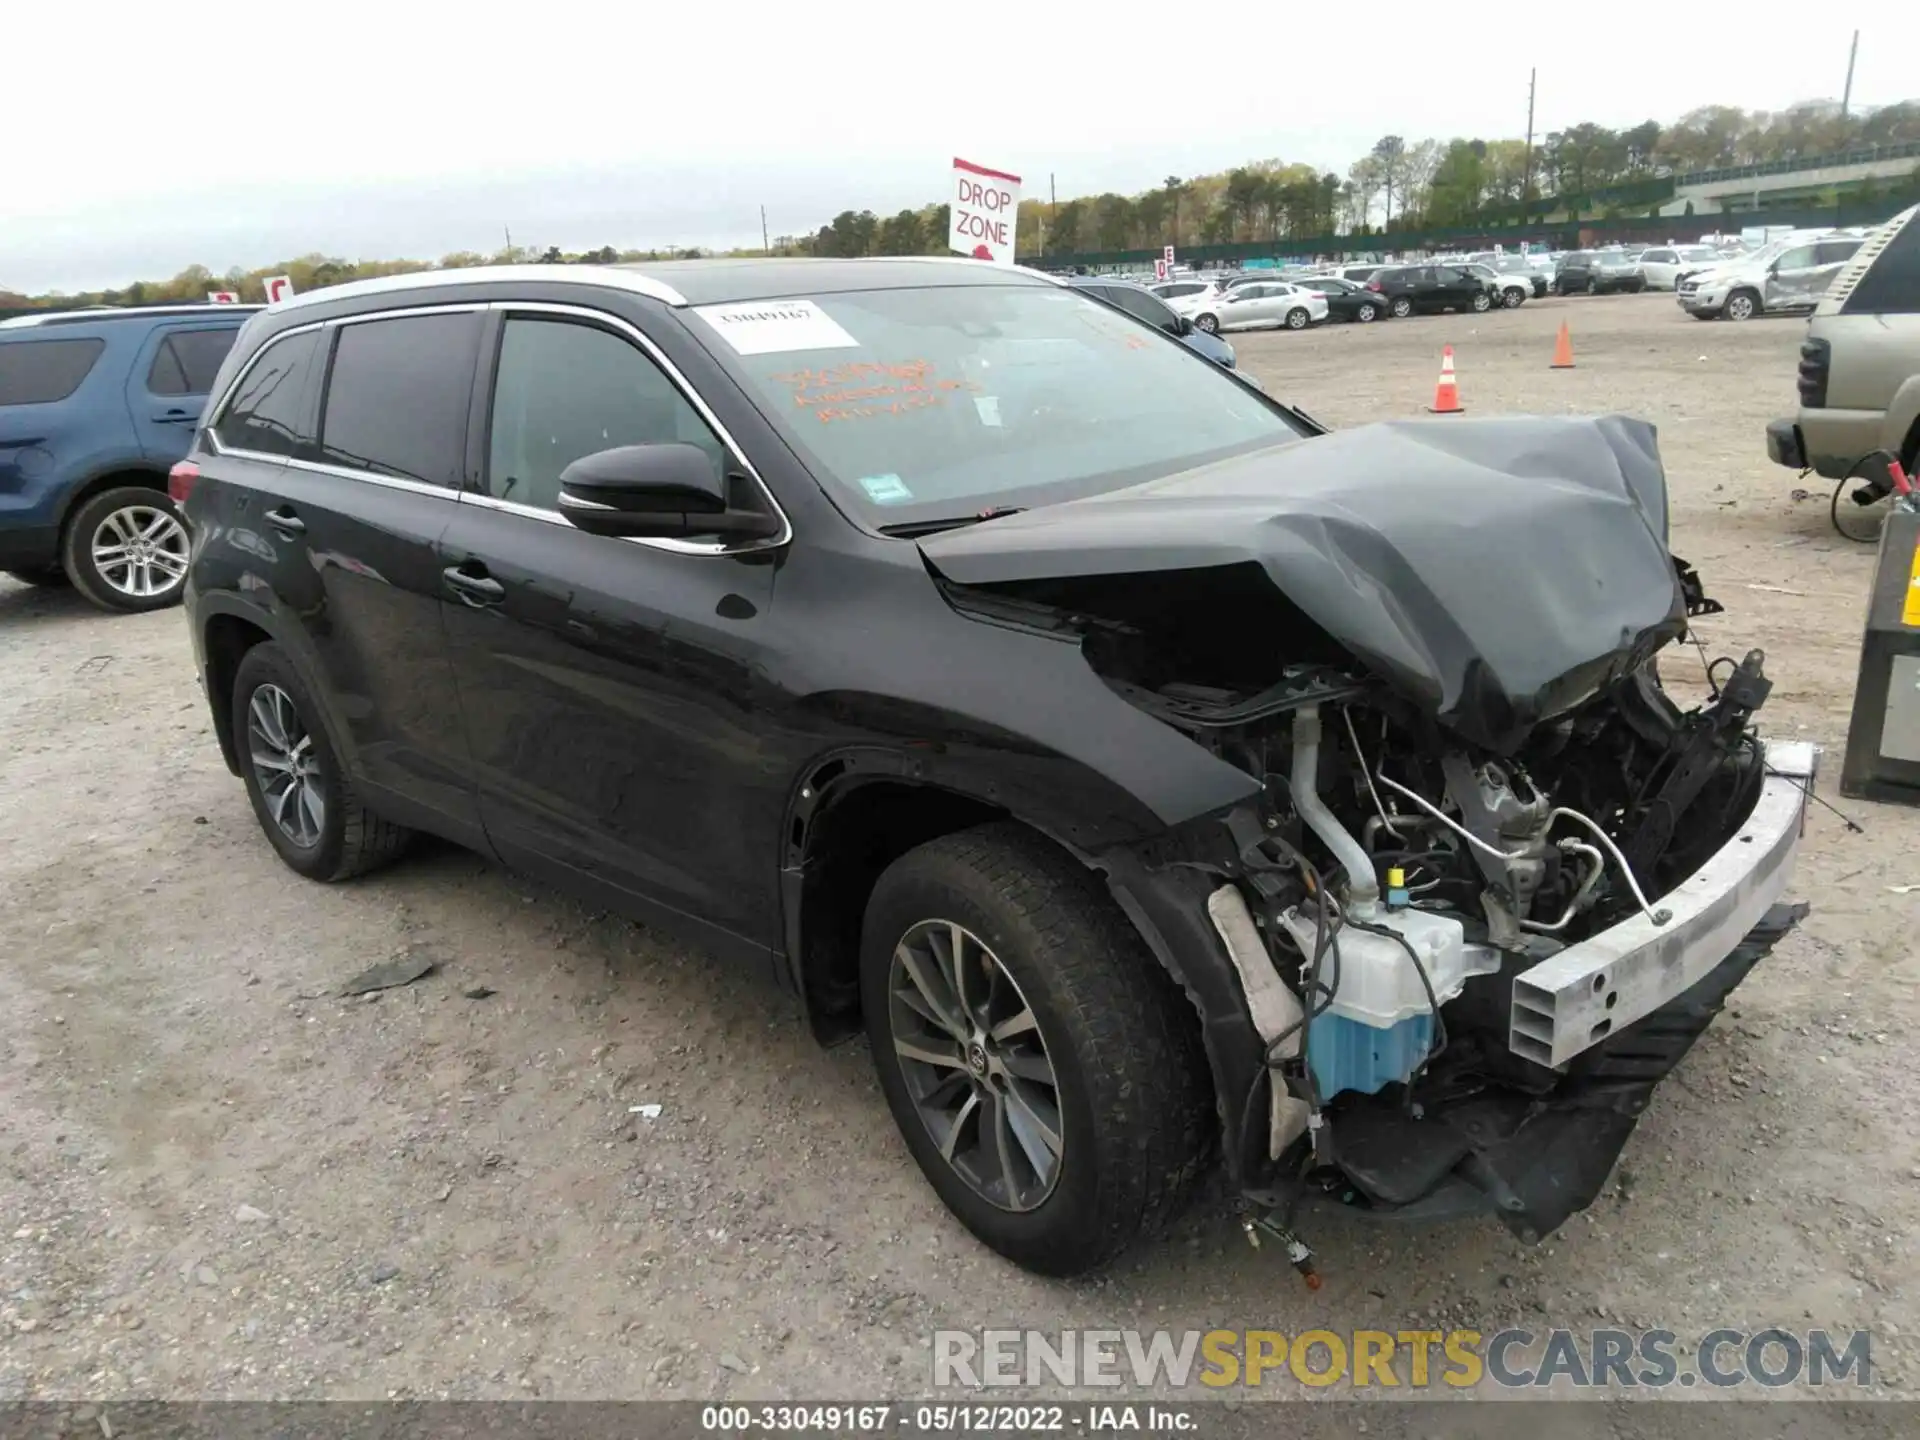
[1390, 158]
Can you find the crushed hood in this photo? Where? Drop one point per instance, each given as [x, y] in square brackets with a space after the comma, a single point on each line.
[1494, 571]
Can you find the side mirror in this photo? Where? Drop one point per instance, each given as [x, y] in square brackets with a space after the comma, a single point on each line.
[665, 490]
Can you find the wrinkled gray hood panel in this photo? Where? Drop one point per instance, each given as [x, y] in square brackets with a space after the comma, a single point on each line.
[1495, 571]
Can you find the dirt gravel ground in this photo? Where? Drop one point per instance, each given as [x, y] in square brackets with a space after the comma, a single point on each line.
[214, 1182]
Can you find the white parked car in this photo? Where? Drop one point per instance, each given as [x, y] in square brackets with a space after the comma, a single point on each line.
[1261, 303]
[1665, 266]
[1184, 296]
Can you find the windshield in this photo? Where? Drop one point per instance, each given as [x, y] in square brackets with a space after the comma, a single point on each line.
[1699, 252]
[914, 405]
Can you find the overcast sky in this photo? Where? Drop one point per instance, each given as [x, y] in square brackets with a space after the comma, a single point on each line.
[371, 130]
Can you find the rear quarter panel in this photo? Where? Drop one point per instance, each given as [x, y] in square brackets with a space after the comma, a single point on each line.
[48, 451]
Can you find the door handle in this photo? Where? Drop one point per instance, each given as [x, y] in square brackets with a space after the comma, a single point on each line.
[476, 590]
[176, 417]
[286, 522]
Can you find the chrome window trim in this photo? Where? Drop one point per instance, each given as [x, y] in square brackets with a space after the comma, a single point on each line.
[783, 536]
[603, 276]
[217, 408]
[391, 482]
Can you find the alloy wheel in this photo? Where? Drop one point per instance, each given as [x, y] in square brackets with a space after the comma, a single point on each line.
[1365, 314]
[975, 1064]
[1482, 303]
[140, 550]
[1297, 319]
[1740, 307]
[284, 763]
[1208, 324]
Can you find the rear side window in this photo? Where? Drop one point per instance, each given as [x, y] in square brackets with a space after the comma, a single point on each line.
[1891, 285]
[187, 361]
[1837, 252]
[397, 396]
[39, 372]
[268, 411]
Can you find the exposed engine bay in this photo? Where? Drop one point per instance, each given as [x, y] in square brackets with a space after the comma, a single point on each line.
[1493, 885]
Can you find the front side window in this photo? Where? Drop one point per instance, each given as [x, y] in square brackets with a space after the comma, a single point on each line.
[1799, 258]
[267, 414]
[933, 403]
[40, 372]
[187, 361]
[397, 392]
[565, 389]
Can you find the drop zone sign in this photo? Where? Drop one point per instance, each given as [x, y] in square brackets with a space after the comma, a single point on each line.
[986, 204]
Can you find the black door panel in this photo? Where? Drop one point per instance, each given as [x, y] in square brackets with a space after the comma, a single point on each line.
[610, 704]
[357, 579]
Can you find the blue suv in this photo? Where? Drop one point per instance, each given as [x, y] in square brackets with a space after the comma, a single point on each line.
[95, 407]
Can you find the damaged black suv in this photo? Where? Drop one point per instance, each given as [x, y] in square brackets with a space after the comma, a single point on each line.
[1150, 774]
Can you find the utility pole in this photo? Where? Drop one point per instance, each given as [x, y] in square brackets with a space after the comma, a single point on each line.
[509, 231]
[1053, 207]
[765, 244]
[1846, 96]
[1526, 170]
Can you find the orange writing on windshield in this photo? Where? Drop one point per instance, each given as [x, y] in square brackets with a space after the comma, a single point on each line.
[867, 387]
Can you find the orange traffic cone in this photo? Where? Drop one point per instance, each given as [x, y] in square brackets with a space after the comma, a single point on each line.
[1562, 350]
[1446, 394]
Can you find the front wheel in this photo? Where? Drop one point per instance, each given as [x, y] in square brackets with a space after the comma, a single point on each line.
[1208, 323]
[1297, 319]
[1482, 302]
[1741, 305]
[126, 549]
[1044, 1072]
[302, 795]
[1514, 297]
[1401, 307]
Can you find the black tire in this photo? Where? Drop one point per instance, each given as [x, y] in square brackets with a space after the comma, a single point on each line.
[1481, 303]
[1298, 319]
[351, 839]
[116, 586]
[1208, 323]
[1400, 306]
[1367, 313]
[51, 578]
[1513, 297]
[1134, 1103]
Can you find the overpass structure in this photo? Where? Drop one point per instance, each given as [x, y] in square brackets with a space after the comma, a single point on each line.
[1790, 184]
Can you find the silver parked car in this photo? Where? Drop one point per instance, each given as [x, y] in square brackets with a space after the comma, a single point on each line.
[1261, 303]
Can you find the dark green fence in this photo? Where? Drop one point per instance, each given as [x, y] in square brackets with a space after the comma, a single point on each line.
[1559, 235]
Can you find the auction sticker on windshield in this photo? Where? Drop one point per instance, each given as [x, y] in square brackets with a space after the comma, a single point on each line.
[773, 327]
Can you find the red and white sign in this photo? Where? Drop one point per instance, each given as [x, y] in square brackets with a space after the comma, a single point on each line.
[224, 297]
[1167, 256]
[1160, 269]
[279, 287]
[985, 208]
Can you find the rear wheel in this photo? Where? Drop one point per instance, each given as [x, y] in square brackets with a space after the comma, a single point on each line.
[1044, 1072]
[302, 796]
[126, 549]
[1208, 323]
[1297, 319]
[1481, 302]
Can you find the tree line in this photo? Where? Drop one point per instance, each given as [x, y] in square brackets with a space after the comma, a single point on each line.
[1397, 184]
